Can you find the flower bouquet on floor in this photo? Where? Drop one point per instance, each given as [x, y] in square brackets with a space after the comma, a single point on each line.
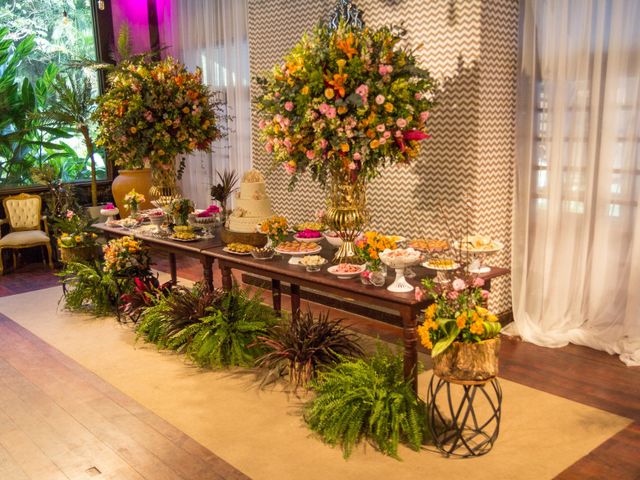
[126, 257]
[76, 237]
[461, 332]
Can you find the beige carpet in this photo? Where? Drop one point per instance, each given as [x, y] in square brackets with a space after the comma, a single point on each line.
[261, 433]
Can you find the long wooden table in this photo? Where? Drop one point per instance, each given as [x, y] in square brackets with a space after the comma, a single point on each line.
[172, 247]
[279, 270]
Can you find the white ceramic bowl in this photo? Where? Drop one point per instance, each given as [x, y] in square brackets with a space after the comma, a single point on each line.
[393, 259]
[344, 275]
[334, 241]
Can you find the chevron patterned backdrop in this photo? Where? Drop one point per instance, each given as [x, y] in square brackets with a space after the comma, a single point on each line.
[463, 178]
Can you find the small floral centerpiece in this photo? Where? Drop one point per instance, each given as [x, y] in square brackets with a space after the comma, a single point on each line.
[180, 208]
[456, 319]
[126, 257]
[133, 200]
[369, 247]
[345, 102]
[154, 111]
[275, 228]
[76, 237]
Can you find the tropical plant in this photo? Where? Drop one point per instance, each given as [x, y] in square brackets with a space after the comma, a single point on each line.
[457, 314]
[71, 106]
[88, 288]
[367, 398]
[222, 190]
[59, 197]
[227, 335]
[180, 308]
[345, 102]
[301, 347]
[146, 293]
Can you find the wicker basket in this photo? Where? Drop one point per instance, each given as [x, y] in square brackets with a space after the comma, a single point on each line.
[77, 254]
[256, 239]
[468, 362]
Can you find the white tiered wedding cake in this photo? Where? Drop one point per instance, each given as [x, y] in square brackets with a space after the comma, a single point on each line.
[252, 205]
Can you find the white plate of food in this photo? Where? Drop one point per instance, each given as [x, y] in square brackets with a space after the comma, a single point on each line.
[298, 248]
[346, 270]
[478, 244]
[184, 239]
[428, 245]
[238, 248]
[441, 264]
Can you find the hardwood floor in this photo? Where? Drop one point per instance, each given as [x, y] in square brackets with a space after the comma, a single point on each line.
[127, 438]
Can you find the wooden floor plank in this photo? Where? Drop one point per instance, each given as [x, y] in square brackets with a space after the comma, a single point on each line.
[136, 441]
[9, 468]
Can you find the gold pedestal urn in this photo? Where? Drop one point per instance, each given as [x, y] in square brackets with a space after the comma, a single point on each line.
[346, 214]
[164, 187]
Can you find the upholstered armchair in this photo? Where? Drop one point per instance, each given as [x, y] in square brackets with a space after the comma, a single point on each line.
[24, 217]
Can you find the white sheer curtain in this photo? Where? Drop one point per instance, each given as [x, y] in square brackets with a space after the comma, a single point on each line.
[213, 35]
[576, 260]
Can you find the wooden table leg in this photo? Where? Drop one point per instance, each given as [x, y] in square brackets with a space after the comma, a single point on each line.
[227, 283]
[295, 302]
[207, 271]
[410, 340]
[173, 269]
[276, 293]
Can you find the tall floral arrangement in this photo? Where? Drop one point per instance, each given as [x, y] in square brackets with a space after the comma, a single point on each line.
[345, 102]
[154, 111]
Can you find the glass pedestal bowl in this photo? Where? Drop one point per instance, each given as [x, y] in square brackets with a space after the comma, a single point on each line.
[400, 259]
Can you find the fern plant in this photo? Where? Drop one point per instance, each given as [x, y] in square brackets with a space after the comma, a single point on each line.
[300, 348]
[367, 398]
[87, 287]
[227, 335]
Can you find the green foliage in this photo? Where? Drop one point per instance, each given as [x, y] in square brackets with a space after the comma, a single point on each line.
[300, 348]
[217, 332]
[367, 398]
[89, 289]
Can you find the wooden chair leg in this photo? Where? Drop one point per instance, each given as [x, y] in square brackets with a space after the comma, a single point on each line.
[15, 260]
[48, 245]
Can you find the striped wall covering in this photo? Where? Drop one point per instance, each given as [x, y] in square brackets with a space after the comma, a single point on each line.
[466, 170]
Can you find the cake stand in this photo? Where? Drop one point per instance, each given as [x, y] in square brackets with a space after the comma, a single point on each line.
[479, 255]
[208, 223]
[399, 260]
[110, 213]
[157, 221]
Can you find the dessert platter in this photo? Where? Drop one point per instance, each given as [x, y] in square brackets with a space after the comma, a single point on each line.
[239, 248]
[207, 219]
[479, 247]
[184, 233]
[429, 245]
[263, 253]
[399, 259]
[308, 235]
[296, 248]
[346, 270]
[313, 263]
[252, 205]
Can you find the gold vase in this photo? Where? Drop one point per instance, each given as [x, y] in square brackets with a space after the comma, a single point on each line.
[346, 214]
[164, 186]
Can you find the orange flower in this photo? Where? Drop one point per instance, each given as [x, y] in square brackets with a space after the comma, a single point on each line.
[347, 46]
[338, 82]
[461, 320]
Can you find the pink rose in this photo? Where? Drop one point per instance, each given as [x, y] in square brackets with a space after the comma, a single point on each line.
[453, 295]
[401, 123]
[419, 294]
[424, 116]
[382, 140]
[288, 106]
[310, 154]
[380, 128]
[363, 91]
[485, 295]
[386, 134]
[285, 122]
[262, 124]
[380, 99]
[418, 96]
[352, 166]
[289, 168]
[382, 70]
[458, 284]
[478, 282]
[357, 156]
[277, 94]
[287, 143]
[323, 108]
[323, 143]
[148, 116]
[277, 118]
[70, 214]
[331, 113]
[269, 147]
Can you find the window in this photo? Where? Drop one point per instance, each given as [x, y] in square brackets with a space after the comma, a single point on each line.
[62, 31]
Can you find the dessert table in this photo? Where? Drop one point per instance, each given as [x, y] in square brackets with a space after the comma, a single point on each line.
[193, 249]
[279, 270]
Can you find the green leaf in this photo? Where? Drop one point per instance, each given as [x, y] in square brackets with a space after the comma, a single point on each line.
[451, 330]
[491, 329]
